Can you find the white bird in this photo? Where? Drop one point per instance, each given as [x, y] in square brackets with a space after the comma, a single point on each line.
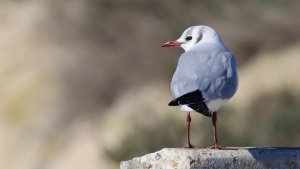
[205, 77]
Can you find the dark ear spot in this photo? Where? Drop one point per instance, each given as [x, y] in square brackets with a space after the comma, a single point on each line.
[199, 37]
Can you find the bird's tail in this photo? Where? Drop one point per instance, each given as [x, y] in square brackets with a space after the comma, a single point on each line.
[193, 100]
[201, 107]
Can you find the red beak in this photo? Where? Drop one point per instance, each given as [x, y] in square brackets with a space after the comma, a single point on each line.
[171, 43]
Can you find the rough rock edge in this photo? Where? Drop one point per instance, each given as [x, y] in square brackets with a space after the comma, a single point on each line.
[261, 158]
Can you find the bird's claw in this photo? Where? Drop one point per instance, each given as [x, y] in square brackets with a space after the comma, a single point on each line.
[219, 147]
[188, 146]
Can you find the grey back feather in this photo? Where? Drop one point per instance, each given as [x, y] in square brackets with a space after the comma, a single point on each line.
[210, 69]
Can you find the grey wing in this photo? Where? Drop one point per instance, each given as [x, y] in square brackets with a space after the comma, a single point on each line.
[215, 76]
[219, 80]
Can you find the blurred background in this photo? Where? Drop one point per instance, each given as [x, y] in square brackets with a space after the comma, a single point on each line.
[85, 84]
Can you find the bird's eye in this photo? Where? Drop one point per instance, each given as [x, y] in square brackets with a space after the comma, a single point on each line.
[188, 38]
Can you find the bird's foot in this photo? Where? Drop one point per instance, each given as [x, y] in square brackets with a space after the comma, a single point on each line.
[219, 147]
[188, 145]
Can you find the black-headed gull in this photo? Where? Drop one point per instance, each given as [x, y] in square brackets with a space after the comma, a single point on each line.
[205, 77]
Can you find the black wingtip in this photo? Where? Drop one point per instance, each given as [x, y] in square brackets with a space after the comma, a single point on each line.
[173, 103]
[189, 98]
[193, 100]
[201, 107]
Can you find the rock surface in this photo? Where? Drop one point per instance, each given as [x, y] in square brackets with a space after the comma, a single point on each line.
[260, 158]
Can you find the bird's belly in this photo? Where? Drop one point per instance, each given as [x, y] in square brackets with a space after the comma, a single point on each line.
[186, 108]
[216, 104]
[213, 105]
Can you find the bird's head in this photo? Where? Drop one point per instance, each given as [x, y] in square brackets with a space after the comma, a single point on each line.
[194, 36]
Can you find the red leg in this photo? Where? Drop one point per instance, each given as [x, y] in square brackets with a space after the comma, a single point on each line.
[188, 122]
[214, 122]
[215, 144]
